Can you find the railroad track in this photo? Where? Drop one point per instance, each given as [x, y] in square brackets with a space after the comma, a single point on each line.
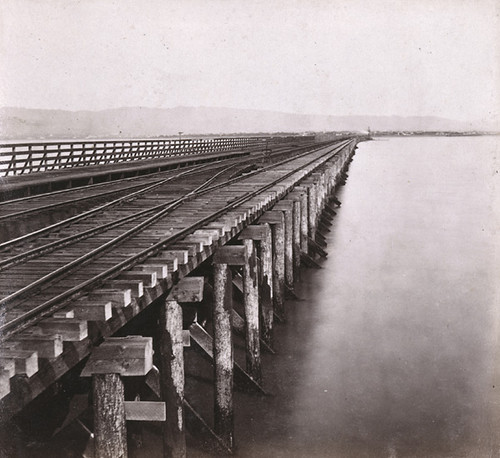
[56, 283]
[23, 215]
[110, 197]
[26, 205]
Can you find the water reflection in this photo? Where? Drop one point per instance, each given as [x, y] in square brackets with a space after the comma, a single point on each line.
[392, 352]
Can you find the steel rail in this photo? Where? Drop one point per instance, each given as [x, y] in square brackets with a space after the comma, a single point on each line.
[54, 206]
[86, 214]
[78, 199]
[49, 247]
[78, 189]
[67, 268]
[37, 313]
[134, 178]
[83, 198]
[72, 219]
[106, 183]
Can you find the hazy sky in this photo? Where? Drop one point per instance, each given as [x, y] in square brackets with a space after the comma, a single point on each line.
[404, 57]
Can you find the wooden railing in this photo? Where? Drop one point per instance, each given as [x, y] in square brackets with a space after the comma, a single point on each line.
[21, 158]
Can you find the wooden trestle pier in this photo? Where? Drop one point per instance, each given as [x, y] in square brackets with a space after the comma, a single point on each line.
[239, 223]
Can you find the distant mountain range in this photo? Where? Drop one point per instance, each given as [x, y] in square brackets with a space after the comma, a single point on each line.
[134, 122]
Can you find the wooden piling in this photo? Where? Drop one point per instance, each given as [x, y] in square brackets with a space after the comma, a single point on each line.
[109, 416]
[261, 234]
[304, 218]
[287, 208]
[277, 222]
[312, 204]
[187, 290]
[172, 379]
[296, 240]
[114, 358]
[251, 304]
[266, 288]
[322, 192]
[223, 348]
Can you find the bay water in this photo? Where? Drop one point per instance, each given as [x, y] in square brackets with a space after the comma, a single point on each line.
[392, 350]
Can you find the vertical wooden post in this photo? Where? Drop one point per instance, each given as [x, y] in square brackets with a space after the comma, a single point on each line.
[321, 193]
[304, 219]
[114, 358]
[324, 189]
[312, 210]
[330, 178]
[266, 290]
[336, 174]
[287, 208]
[172, 379]
[277, 223]
[295, 197]
[262, 233]
[296, 239]
[223, 353]
[251, 304]
[109, 416]
[278, 231]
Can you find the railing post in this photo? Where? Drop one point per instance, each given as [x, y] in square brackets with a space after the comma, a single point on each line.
[71, 157]
[29, 162]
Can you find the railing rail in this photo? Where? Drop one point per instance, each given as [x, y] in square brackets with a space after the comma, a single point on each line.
[21, 158]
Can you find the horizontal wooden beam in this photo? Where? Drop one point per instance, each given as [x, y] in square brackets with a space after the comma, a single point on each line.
[189, 289]
[85, 309]
[26, 361]
[9, 366]
[71, 330]
[4, 383]
[231, 255]
[255, 232]
[272, 217]
[47, 346]
[117, 297]
[127, 356]
[145, 411]
[170, 255]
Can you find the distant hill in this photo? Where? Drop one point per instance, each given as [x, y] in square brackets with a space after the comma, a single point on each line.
[25, 123]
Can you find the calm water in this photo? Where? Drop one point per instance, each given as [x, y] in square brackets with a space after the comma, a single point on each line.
[392, 350]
